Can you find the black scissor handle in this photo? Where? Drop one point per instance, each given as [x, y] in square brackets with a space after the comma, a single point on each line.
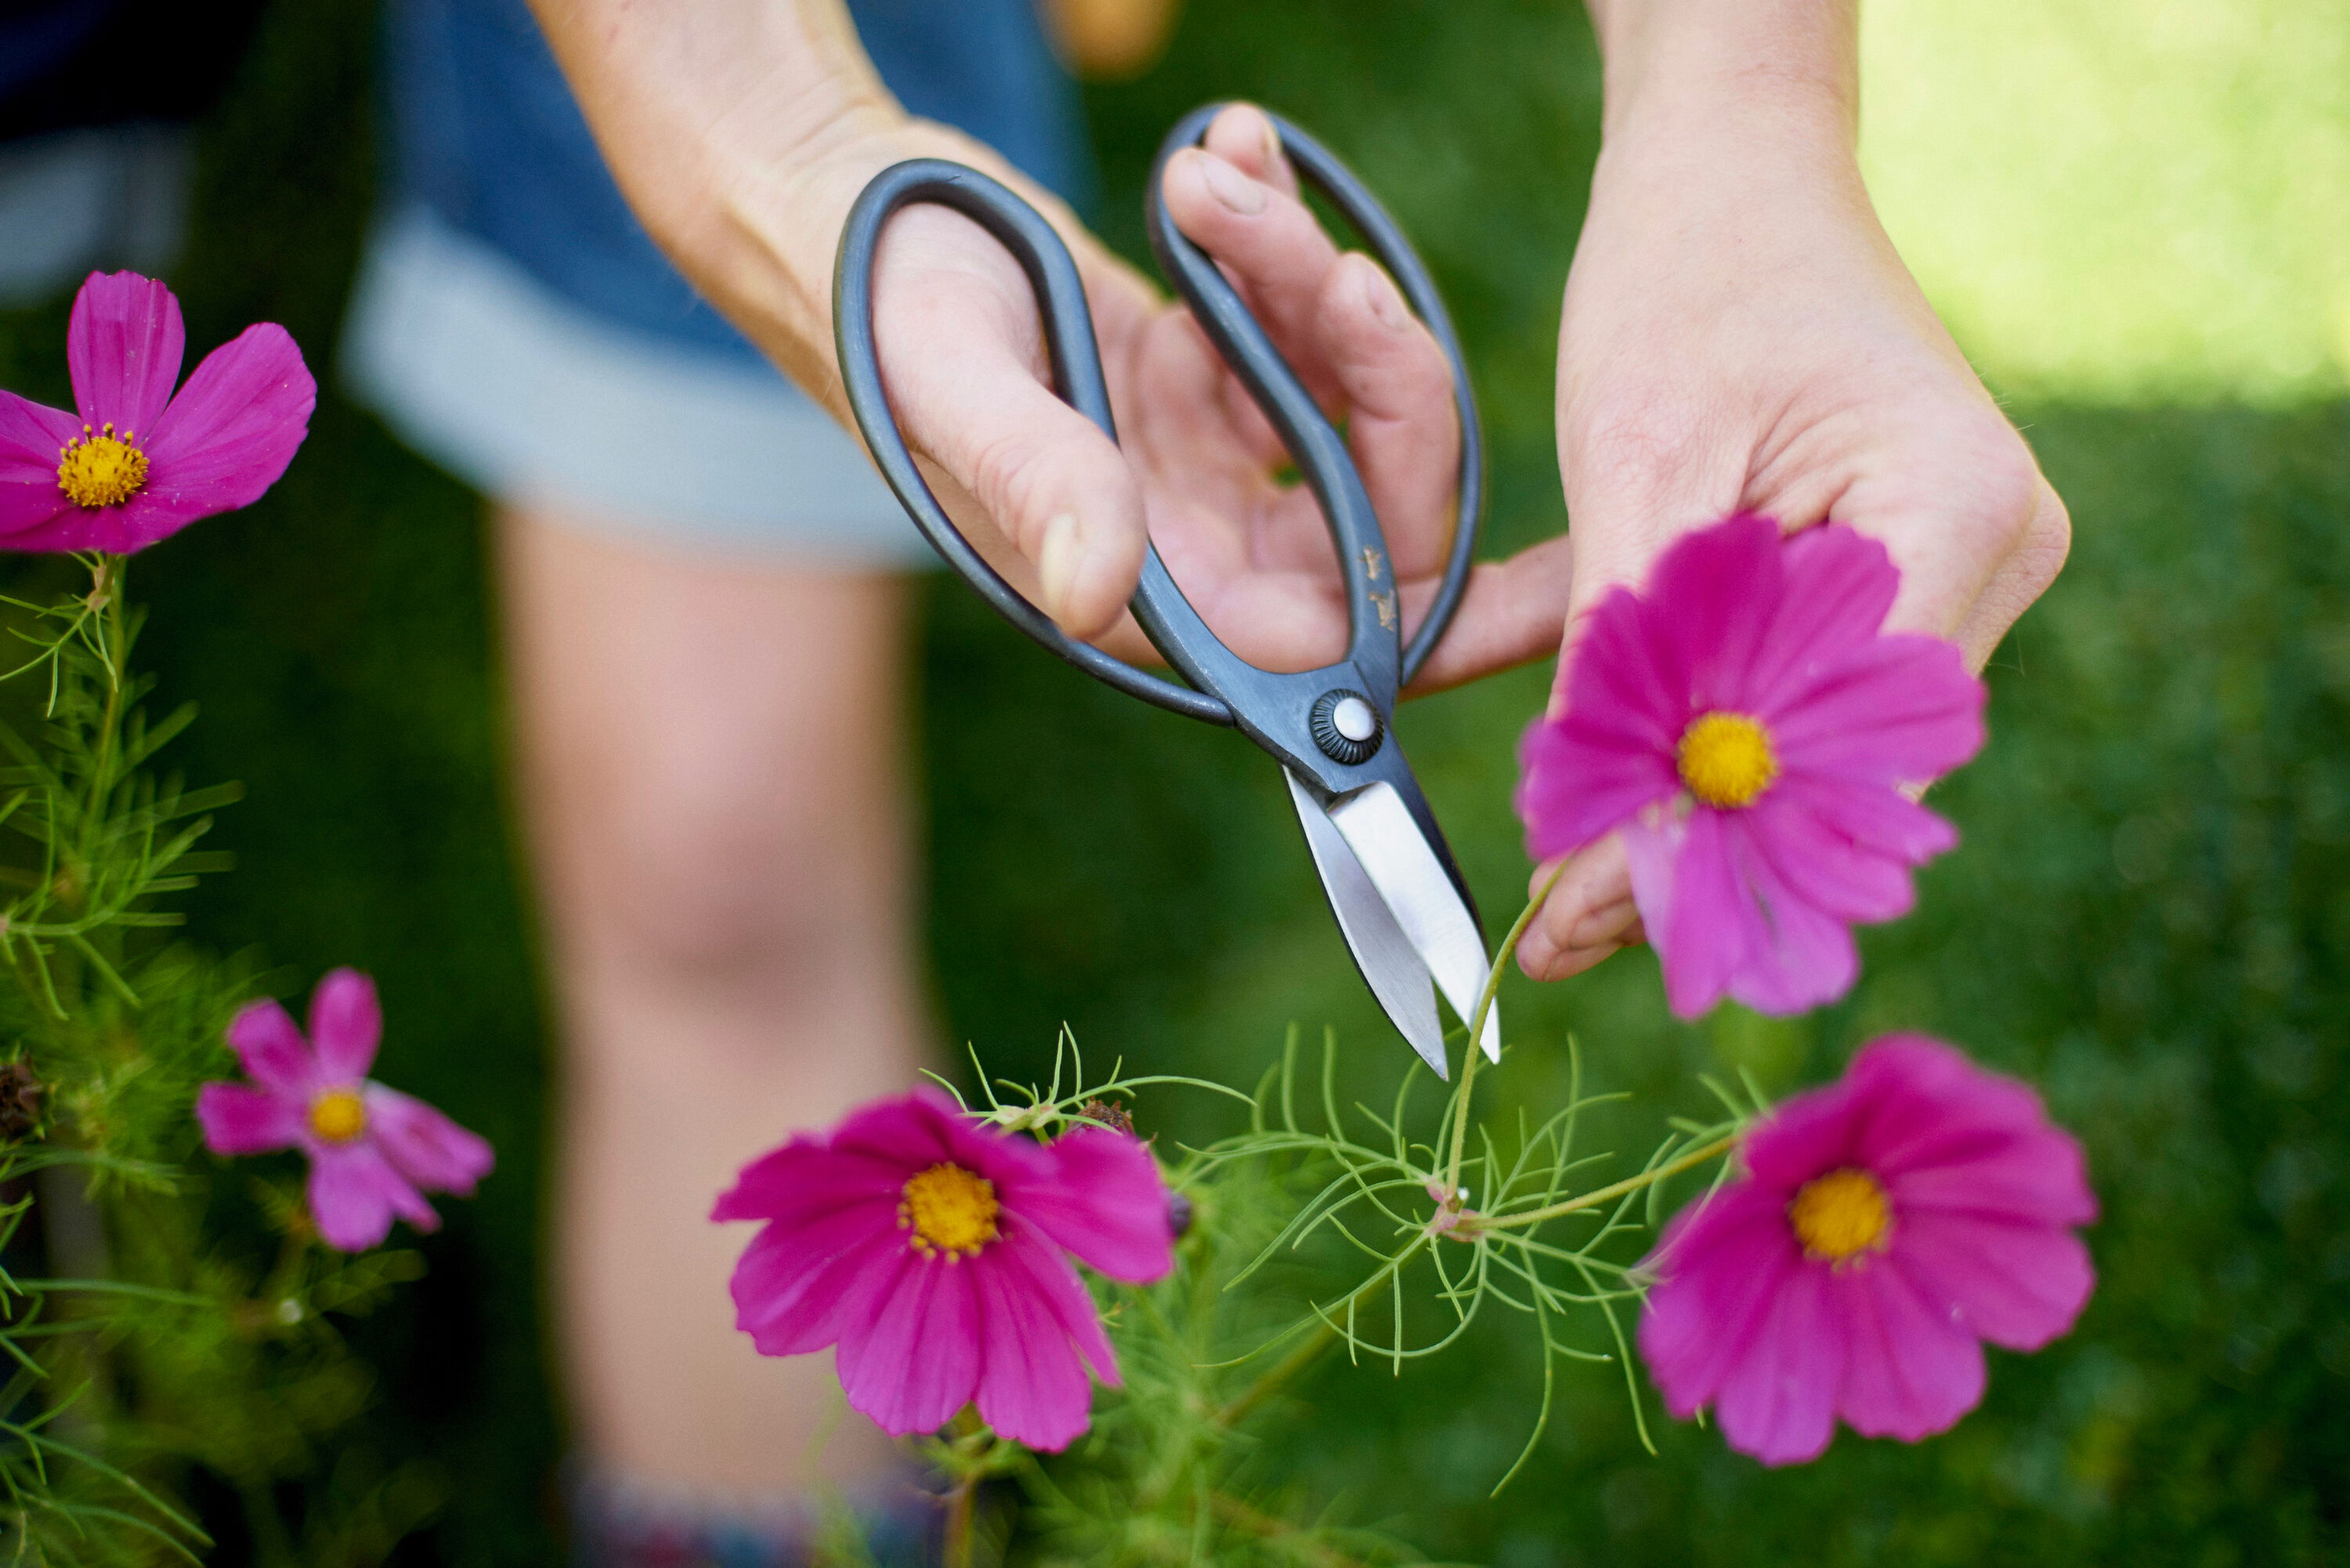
[1284, 712]
[1076, 377]
[1373, 612]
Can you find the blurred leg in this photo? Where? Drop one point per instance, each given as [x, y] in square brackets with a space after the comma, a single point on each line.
[709, 759]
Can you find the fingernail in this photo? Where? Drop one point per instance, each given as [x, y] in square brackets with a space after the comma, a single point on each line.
[1235, 189]
[1379, 292]
[1272, 141]
[1057, 564]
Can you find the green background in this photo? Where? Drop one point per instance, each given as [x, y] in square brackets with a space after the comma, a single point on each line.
[2151, 915]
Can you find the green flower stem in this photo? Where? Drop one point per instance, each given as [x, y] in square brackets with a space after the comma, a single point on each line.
[1308, 1351]
[1476, 1025]
[1474, 1225]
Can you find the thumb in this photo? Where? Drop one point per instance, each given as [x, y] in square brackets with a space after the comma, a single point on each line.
[1041, 492]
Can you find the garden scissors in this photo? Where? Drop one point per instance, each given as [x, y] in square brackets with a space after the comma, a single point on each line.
[1400, 899]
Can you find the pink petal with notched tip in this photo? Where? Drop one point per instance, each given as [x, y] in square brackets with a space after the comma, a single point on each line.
[1806, 956]
[1697, 917]
[1823, 866]
[423, 1145]
[917, 1361]
[30, 438]
[123, 346]
[2016, 1285]
[1105, 1203]
[1038, 1321]
[1778, 1400]
[355, 1193]
[804, 1179]
[239, 1120]
[1900, 709]
[345, 1025]
[264, 1038]
[799, 1289]
[1875, 819]
[1838, 586]
[1571, 791]
[1909, 1371]
[1716, 593]
[1724, 1260]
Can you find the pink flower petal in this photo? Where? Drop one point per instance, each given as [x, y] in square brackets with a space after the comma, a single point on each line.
[425, 1146]
[1571, 791]
[1105, 1203]
[346, 1024]
[1901, 710]
[1807, 956]
[1708, 920]
[800, 1288]
[274, 1053]
[915, 1361]
[1778, 1401]
[225, 439]
[1876, 818]
[913, 1132]
[1823, 866]
[1807, 1135]
[806, 1179]
[1911, 1372]
[355, 1193]
[123, 346]
[1717, 591]
[1839, 583]
[1724, 1259]
[31, 437]
[1038, 1321]
[2018, 1285]
[1056, 1284]
[241, 1120]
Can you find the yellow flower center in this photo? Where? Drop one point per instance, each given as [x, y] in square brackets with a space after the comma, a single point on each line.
[1726, 759]
[1840, 1214]
[101, 470]
[950, 1209]
[339, 1115]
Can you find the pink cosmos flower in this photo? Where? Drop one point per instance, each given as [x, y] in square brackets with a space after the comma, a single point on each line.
[1886, 1225]
[1745, 726]
[135, 464]
[374, 1152]
[931, 1248]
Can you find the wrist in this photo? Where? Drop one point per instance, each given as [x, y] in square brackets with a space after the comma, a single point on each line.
[1780, 69]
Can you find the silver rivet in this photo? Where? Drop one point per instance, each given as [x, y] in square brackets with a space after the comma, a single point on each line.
[1353, 718]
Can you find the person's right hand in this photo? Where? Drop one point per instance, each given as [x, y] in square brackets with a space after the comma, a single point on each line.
[1063, 513]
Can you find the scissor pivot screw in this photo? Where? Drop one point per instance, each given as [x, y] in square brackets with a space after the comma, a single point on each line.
[1345, 726]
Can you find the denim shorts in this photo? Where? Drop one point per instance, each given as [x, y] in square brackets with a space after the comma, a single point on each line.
[515, 322]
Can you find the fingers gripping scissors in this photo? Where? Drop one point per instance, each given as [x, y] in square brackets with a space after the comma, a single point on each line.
[1399, 896]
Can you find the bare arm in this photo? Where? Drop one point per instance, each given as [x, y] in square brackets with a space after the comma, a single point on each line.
[1738, 333]
[742, 131]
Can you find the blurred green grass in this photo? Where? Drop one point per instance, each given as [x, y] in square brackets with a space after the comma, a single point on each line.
[2152, 914]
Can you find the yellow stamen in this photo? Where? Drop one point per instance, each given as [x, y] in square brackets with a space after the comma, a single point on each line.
[339, 1115]
[1726, 759]
[950, 1209]
[101, 470]
[1840, 1214]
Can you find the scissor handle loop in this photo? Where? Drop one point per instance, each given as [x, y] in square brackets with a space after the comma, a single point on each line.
[1320, 452]
[1076, 377]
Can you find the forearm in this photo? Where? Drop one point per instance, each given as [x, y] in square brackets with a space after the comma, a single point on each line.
[740, 131]
[1763, 66]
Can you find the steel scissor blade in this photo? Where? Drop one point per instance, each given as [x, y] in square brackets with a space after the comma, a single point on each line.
[1411, 882]
[1391, 966]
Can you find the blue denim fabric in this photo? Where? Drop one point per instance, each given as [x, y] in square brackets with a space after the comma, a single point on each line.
[485, 134]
